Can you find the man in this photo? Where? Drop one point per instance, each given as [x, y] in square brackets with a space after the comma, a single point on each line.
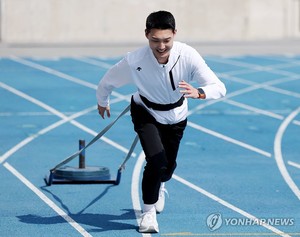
[162, 72]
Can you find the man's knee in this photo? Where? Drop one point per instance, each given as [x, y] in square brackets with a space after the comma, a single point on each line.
[157, 164]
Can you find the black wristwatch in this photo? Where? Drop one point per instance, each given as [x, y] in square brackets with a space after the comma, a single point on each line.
[201, 93]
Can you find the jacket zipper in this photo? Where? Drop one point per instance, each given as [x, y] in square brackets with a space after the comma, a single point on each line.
[171, 75]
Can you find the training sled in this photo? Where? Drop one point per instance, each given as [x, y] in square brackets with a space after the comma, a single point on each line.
[88, 175]
[82, 174]
[62, 174]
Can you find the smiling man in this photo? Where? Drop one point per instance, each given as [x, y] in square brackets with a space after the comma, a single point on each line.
[162, 72]
[161, 42]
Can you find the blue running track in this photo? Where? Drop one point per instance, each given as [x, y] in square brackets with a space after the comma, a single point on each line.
[238, 168]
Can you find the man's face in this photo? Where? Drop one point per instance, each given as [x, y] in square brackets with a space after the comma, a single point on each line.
[161, 42]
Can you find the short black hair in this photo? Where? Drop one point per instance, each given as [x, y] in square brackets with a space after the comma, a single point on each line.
[160, 20]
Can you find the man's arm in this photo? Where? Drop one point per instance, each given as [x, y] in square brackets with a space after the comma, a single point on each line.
[209, 83]
[115, 77]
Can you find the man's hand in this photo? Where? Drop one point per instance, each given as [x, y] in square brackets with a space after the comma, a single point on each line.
[188, 90]
[102, 110]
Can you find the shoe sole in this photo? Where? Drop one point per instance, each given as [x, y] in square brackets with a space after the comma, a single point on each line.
[159, 210]
[150, 229]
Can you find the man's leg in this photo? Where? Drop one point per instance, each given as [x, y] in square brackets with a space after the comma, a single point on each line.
[146, 127]
[171, 136]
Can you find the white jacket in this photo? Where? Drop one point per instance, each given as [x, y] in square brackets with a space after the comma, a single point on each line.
[154, 81]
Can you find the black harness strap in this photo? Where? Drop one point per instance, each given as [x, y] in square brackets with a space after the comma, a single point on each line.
[162, 107]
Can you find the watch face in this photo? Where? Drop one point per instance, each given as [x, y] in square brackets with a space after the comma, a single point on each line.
[200, 91]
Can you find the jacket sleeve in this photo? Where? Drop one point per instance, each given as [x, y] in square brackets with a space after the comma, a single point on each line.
[207, 79]
[115, 77]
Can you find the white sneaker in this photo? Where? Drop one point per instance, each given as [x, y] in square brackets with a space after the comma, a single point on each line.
[160, 204]
[149, 223]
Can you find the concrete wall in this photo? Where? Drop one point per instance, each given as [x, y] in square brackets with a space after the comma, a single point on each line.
[123, 21]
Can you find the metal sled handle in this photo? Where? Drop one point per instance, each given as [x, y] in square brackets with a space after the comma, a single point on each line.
[100, 134]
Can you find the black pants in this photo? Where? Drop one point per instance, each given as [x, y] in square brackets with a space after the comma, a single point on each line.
[160, 143]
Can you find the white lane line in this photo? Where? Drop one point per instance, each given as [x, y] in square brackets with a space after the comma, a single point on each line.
[32, 100]
[228, 205]
[135, 187]
[61, 115]
[48, 201]
[283, 92]
[63, 75]
[294, 164]
[27, 140]
[254, 109]
[253, 67]
[251, 87]
[224, 99]
[258, 111]
[53, 72]
[93, 62]
[278, 153]
[229, 139]
[296, 122]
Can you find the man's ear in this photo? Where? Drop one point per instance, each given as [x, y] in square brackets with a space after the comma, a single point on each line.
[146, 33]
